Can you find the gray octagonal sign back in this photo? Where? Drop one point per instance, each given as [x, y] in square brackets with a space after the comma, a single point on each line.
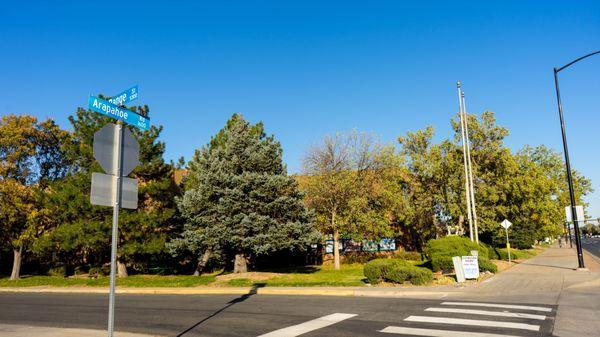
[105, 149]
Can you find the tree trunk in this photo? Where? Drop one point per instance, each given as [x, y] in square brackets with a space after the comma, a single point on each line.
[241, 264]
[16, 269]
[121, 269]
[202, 262]
[336, 243]
[336, 250]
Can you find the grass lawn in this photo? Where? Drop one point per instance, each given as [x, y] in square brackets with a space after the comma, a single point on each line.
[131, 281]
[348, 275]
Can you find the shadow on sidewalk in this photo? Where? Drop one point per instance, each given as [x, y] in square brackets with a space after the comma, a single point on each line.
[242, 298]
[545, 265]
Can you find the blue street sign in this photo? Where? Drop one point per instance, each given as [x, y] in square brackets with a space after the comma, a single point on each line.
[111, 110]
[125, 96]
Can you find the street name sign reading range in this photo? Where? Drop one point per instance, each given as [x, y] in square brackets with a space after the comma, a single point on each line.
[106, 108]
[125, 96]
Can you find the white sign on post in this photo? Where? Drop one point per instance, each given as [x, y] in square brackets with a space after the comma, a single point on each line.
[470, 267]
[578, 212]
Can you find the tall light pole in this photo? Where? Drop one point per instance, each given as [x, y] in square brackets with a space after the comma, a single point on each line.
[567, 162]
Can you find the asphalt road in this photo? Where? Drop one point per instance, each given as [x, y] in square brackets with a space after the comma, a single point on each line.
[592, 246]
[255, 315]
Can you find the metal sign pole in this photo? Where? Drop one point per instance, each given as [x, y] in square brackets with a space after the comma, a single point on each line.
[115, 226]
[507, 245]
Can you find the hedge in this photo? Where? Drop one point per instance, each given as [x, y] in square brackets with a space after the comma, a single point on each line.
[441, 251]
[397, 271]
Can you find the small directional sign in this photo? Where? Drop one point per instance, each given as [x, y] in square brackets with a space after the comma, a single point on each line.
[505, 224]
[105, 145]
[106, 108]
[125, 96]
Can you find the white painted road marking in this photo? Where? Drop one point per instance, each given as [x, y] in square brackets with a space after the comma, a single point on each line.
[487, 313]
[472, 322]
[438, 333]
[302, 328]
[495, 305]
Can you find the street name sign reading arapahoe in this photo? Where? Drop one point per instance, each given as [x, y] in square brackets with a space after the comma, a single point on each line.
[107, 108]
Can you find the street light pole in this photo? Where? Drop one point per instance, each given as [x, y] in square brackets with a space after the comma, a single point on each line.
[567, 161]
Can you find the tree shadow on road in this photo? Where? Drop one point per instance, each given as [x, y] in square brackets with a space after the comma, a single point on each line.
[242, 298]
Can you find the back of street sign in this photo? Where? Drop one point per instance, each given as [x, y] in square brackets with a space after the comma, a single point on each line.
[103, 191]
[105, 149]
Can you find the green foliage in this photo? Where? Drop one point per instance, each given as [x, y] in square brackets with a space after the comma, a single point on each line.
[239, 199]
[487, 265]
[397, 271]
[441, 251]
[81, 233]
[407, 255]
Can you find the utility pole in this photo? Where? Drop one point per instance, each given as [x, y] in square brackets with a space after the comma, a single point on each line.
[472, 188]
[464, 146]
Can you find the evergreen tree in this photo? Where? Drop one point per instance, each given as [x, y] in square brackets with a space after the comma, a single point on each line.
[83, 233]
[239, 201]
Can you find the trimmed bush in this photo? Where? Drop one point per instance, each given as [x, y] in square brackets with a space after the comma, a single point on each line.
[376, 270]
[487, 265]
[397, 271]
[441, 251]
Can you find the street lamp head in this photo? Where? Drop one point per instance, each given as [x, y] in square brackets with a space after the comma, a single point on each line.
[458, 84]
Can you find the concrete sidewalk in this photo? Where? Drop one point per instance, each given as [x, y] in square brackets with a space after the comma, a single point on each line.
[550, 278]
[9, 330]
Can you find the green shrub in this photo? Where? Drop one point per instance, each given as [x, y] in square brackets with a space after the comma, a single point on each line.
[375, 270]
[60, 271]
[409, 256]
[397, 271]
[359, 257]
[487, 265]
[412, 274]
[441, 251]
[515, 254]
[96, 272]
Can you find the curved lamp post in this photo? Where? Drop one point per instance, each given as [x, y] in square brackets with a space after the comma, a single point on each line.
[567, 162]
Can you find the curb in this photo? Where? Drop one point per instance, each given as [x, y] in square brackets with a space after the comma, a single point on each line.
[346, 292]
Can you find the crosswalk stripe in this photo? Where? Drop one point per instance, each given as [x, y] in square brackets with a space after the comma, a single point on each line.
[302, 328]
[495, 305]
[438, 333]
[487, 313]
[472, 322]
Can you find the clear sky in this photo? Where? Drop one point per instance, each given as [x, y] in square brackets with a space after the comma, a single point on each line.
[309, 68]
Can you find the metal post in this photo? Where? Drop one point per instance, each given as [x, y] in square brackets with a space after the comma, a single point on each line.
[462, 133]
[569, 176]
[472, 191]
[115, 227]
[507, 245]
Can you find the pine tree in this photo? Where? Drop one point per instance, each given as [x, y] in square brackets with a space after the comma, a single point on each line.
[239, 200]
[83, 233]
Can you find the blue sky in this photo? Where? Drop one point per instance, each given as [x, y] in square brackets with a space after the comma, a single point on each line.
[309, 68]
